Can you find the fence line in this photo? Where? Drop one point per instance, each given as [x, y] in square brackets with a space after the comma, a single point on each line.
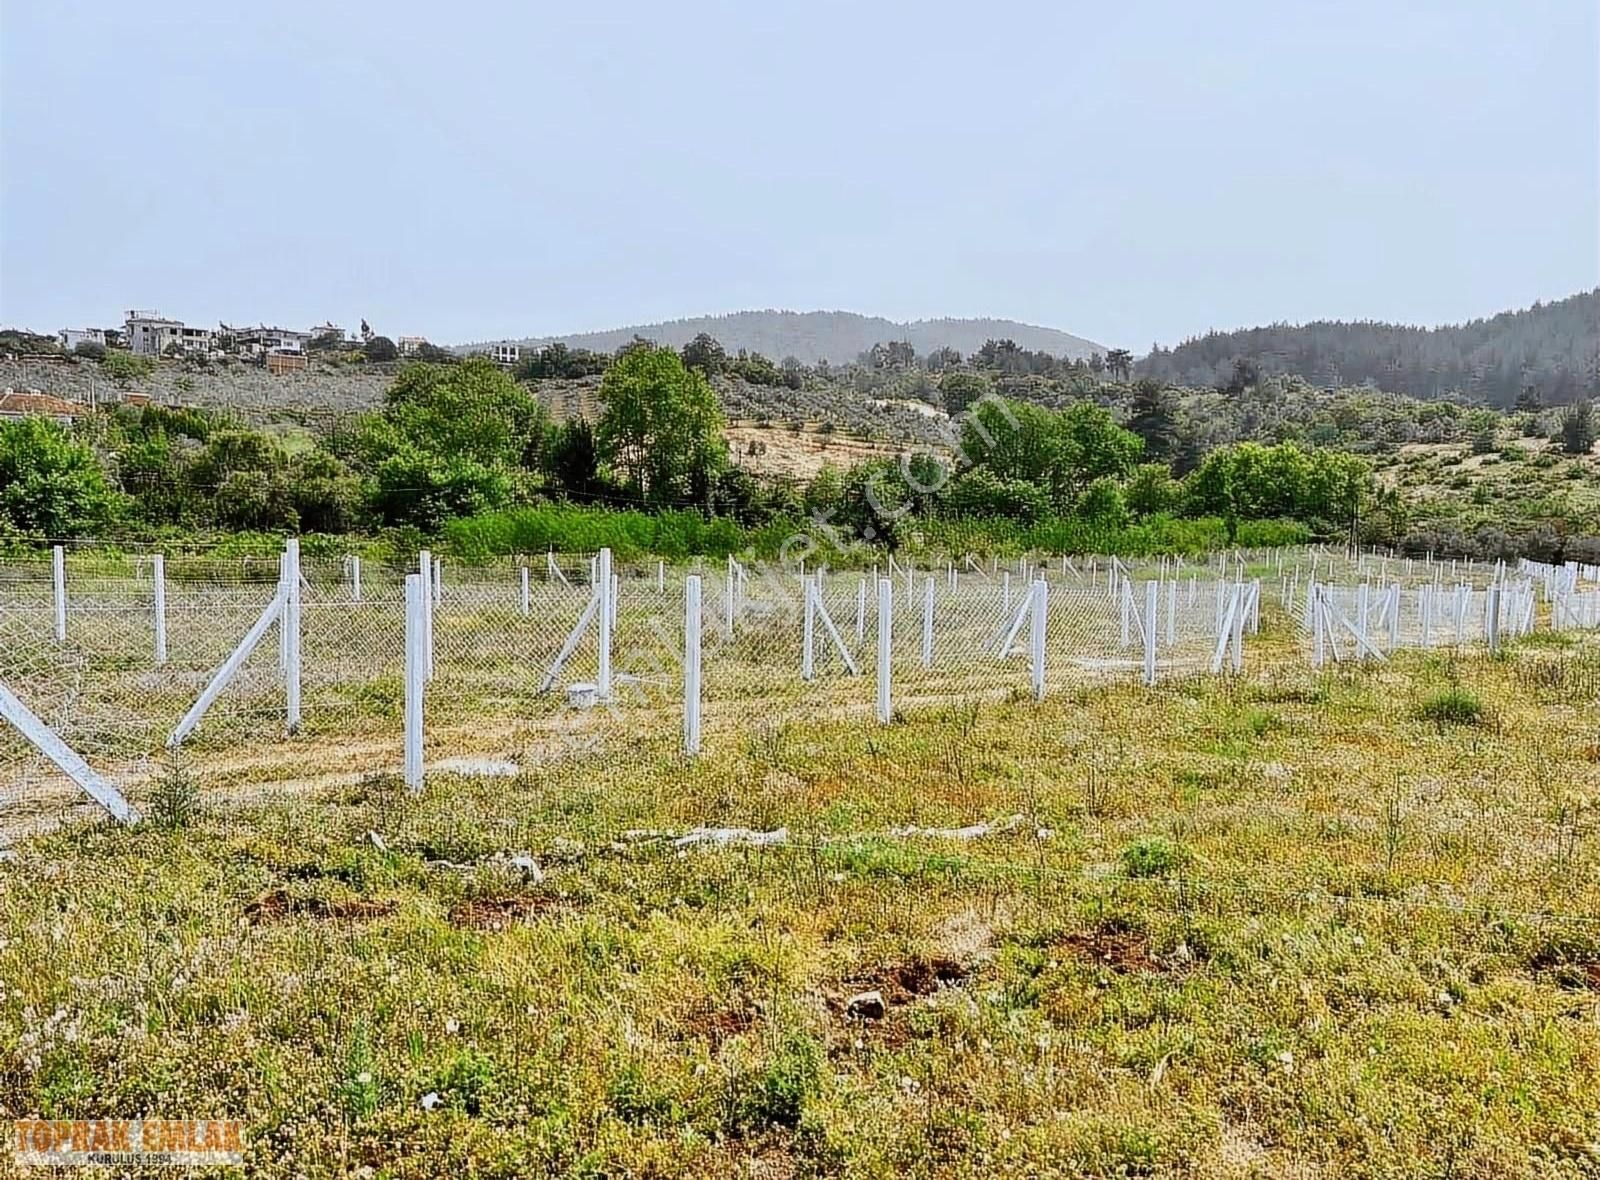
[140, 663]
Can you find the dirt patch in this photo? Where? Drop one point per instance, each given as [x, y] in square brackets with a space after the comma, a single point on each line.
[277, 905]
[1123, 951]
[715, 1025]
[900, 983]
[500, 912]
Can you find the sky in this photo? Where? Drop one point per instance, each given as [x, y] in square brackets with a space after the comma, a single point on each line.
[1133, 172]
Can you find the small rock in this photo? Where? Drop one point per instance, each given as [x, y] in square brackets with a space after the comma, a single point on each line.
[866, 1005]
[527, 866]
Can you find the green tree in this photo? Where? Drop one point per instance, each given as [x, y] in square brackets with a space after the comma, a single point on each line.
[660, 427]
[706, 354]
[1578, 428]
[51, 485]
[380, 348]
[472, 410]
[1152, 490]
[1119, 363]
[959, 391]
[1153, 416]
[572, 462]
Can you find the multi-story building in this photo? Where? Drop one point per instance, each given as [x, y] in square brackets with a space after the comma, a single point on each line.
[262, 340]
[149, 333]
[408, 345]
[503, 353]
[72, 337]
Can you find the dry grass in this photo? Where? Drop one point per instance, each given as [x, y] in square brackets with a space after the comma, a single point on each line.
[1278, 925]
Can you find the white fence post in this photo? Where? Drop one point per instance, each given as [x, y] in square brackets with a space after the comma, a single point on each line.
[927, 622]
[159, 575]
[527, 598]
[58, 575]
[1127, 613]
[1492, 617]
[437, 585]
[607, 591]
[425, 570]
[416, 669]
[1149, 629]
[861, 609]
[1041, 599]
[808, 653]
[691, 664]
[729, 590]
[290, 622]
[885, 650]
[355, 578]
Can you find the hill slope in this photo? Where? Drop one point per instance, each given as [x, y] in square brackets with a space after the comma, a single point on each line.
[1553, 347]
[837, 337]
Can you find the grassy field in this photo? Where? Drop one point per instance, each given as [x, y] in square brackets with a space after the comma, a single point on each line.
[1290, 924]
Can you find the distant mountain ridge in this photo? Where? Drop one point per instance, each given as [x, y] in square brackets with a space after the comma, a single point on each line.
[1551, 350]
[837, 337]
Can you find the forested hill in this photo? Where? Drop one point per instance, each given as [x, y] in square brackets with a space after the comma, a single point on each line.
[1551, 348]
[837, 337]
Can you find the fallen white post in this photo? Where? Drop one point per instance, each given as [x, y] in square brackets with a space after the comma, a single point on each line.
[67, 760]
[416, 667]
[691, 664]
[230, 667]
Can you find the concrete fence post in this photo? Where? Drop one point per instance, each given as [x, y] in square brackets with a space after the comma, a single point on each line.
[58, 578]
[927, 622]
[416, 676]
[1150, 590]
[885, 648]
[527, 597]
[606, 588]
[1041, 600]
[425, 572]
[290, 623]
[159, 575]
[691, 664]
[808, 650]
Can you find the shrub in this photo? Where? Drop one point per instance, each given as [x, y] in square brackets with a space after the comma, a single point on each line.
[1154, 856]
[1452, 706]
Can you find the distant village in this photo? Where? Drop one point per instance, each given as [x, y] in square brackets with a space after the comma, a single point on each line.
[149, 333]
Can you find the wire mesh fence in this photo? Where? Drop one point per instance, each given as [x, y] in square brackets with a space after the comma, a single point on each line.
[251, 675]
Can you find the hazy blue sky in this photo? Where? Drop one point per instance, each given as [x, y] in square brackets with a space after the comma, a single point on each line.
[1128, 171]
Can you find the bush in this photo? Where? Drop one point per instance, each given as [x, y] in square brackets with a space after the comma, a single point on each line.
[1452, 706]
[1154, 856]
